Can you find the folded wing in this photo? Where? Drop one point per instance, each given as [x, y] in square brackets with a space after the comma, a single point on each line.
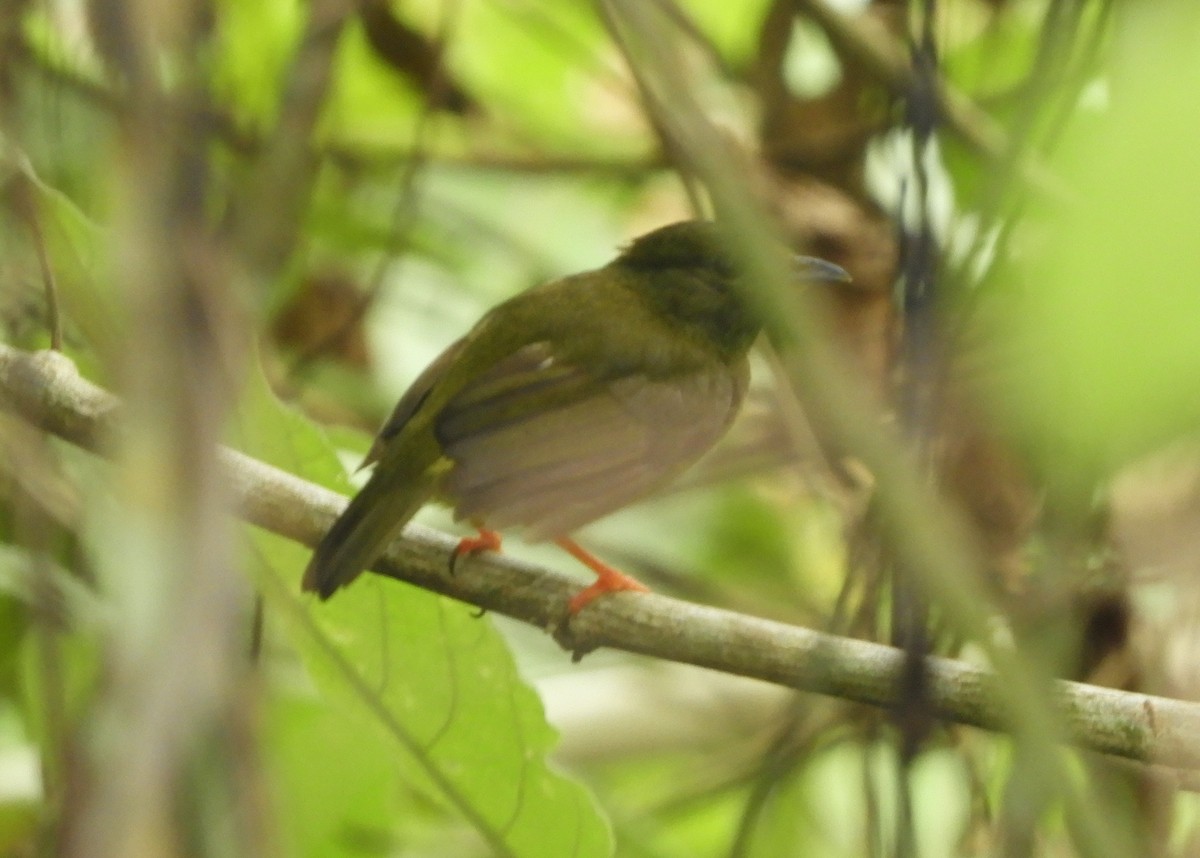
[540, 443]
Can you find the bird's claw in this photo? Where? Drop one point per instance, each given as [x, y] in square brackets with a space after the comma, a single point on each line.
[485, 540]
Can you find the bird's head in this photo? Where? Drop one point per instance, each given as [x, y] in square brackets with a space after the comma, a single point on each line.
[688, 271]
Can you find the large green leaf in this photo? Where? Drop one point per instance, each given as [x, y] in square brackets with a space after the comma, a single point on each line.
[421, 673]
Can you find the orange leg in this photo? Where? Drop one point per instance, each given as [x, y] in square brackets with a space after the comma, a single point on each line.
[608, 579]
[485, 540]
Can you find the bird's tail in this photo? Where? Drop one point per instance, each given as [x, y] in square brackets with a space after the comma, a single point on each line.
[374, 517]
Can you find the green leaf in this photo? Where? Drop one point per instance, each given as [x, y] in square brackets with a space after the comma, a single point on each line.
[424, 674]
[1101, 359]
[336, 787]
[255, 43]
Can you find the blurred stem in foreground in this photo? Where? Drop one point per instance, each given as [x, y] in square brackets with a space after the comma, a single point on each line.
[172, 682]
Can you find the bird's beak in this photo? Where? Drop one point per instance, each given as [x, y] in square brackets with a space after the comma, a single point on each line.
[813, 270]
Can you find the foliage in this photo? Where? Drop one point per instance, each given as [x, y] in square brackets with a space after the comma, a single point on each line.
[262, 220]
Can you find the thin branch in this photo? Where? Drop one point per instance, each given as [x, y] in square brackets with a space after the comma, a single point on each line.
[23, 196]
[45, 390]
[267, 217]
[49, 284]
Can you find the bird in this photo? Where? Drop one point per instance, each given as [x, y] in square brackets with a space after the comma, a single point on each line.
[564, 403]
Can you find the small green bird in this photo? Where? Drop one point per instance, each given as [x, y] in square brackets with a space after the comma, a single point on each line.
[563, 404]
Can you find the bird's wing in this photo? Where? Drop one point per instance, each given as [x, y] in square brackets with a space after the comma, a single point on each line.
[539, 442]
[412, 400]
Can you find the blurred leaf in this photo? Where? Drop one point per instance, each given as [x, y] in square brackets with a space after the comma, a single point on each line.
[20, 789]
[13, 625]
[997, 59]
[413, 56]
[78, 671]
[368, 105]
[731, 26]
[748, 541]
[571, 92]
[255, 43]
[1102, 358]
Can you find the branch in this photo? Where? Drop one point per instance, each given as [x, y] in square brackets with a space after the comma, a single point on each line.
[45, 390]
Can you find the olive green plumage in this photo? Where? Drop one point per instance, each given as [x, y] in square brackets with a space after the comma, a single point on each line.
[564, 403]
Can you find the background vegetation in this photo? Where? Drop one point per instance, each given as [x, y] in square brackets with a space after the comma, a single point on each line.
[255, 221]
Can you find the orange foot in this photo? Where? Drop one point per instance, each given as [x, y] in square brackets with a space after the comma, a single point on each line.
[608, 579]
[485, 540]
